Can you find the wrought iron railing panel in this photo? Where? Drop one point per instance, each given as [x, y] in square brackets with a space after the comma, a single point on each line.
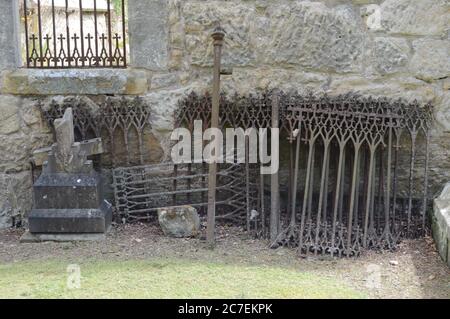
[350, 197]
[235, 111]
[75, 33]
[357, 176]
[121, 122]
[139, 191]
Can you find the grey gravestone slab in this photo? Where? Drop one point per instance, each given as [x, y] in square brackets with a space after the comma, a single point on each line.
[68, 198]
[71, 221]
[67, 191]
[36, 238]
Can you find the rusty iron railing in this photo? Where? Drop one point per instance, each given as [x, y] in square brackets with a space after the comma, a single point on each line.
[351, 194]
[121, 122]
[357, 167]
[74, 34]
[139, 191]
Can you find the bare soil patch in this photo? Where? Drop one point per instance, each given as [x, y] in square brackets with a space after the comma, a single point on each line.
[414, 270]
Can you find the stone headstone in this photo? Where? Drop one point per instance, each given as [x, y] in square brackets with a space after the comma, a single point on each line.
[441, 223]
[179, 221]
[68, 197]
[66, 155]
[65, 138]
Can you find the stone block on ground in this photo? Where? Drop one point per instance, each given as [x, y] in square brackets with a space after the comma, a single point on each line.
[179, 221]
[69, 203]
[28, 237]
[441, 224]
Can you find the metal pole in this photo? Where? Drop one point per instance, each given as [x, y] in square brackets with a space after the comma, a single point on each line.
[217, 35]
[274, 187]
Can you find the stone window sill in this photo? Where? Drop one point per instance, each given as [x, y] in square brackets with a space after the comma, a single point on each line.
[74, 81]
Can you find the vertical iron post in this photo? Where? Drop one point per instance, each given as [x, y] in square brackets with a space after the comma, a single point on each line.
[217, 35]
[124, 39]
[274, 188]
[41, 55]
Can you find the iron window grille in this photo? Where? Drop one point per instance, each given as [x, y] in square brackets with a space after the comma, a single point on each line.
[75, 33]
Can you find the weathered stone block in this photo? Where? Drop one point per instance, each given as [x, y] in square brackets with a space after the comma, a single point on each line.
[431, 59]
[442, 112]
[245, 80]
[307, 34]
[75, 81]
[390, 54]
[17, 148]
[14, 154]
[164, 102]
[441, 223]
[148, 30]
[6, 214]
[167, 80]
[237, 19]
[371, 14]
[9, 114]
[415, 17]
[401, 86]
[179, 221]
[314, 36]
[15, 197]
[439, 163]
[9, 34]
[31, 114]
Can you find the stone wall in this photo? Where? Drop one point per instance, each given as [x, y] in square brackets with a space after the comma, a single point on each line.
[21, 132]
[394, 48]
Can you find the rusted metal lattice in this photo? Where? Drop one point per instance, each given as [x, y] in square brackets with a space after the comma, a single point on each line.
[119, 121]
[243, 111]
[237, 111]
[349, 151]
[139, 191]
[356, 176]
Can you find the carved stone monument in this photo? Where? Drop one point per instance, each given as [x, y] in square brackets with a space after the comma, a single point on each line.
[68, 201]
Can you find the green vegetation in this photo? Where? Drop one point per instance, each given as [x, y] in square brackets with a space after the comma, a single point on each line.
[165, 278]
[117, 5]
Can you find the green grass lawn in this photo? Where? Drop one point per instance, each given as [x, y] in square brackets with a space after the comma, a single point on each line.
[165, 279]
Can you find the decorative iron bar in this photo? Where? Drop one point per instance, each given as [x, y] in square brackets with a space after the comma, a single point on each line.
[139, 191]
[235, 111]
[75, 34]
[119, 121]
